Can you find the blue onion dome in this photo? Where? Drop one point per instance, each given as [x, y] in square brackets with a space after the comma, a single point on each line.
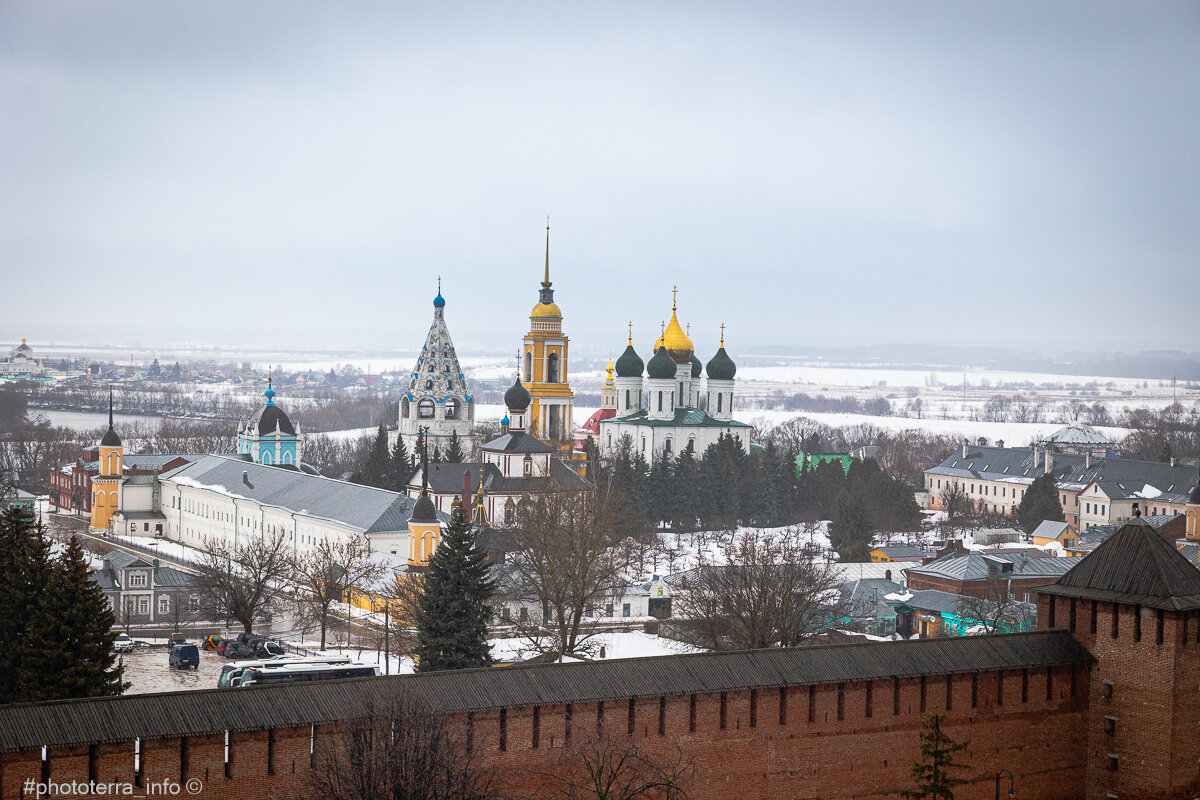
[721, 367]
[270, 395]
[695, 366]
[423, 510]
[517, 397]
[629, 365]
[505, 421]
[439, 301]
[662, 365]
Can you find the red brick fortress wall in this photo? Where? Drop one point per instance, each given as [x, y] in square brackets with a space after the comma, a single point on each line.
[835, 740]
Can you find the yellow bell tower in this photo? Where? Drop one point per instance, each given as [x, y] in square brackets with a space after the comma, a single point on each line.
[106, 485]
[544, 372]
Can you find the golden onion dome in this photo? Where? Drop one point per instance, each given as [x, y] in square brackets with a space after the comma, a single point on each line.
[543, 310]
[677, 342]
[608, 371]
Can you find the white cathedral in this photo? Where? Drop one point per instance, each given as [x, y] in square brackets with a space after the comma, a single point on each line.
[670, 409]
[437, 398]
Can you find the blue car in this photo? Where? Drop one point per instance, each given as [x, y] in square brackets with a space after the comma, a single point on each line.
[184, 656]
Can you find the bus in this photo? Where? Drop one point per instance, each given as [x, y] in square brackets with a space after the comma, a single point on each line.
[235, 670]
[292, 673]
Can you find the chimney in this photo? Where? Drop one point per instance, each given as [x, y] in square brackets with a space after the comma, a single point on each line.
[1049, 460]
[1000, 443]
[1087, 459]
[1172, 461]
[246, 477]
[154, 563]
[964, 450]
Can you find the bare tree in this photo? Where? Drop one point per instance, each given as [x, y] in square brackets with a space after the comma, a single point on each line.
[564, 560]
[773, 589]
[243, 582]
[328, 573]
[400, 748]
[954, 501]
[607, 767]
[998, 610]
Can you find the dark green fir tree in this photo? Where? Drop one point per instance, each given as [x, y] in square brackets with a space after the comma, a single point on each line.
[454, 453]
[69, 653]
[936, 773]
[452, 610]
[25, 568]
[1039, 503]
[375, 473]
[401, 467]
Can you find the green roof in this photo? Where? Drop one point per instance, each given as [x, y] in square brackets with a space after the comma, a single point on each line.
[813, 460]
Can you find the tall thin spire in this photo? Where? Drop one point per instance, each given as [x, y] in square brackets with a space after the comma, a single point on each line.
[674, 296]
[424, 459]
[722, 334]
[546, 279]
[110, 407]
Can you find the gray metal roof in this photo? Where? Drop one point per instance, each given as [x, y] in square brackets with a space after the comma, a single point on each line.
[975, 565]
[361, 508]
[1129, 478]
[153, 461]
[75, 722]
[1135, 566]
[1075, 433]
[933, 600]
[904, 552]
[517, 442]
[1049, 529]
[164, 577]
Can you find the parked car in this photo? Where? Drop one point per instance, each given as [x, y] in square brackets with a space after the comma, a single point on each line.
[184, 656]
[123, 644]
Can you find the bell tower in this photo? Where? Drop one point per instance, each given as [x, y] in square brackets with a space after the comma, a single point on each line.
[544, 370]
[106, 486]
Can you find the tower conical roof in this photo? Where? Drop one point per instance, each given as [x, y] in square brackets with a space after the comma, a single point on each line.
[1135, 566]
[110, 438]
[438, 362]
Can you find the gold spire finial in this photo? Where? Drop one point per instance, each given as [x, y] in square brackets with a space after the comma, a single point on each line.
[722, 334]
[674, 296]
[269, 375]
[688, 329]
[631, 333]
[663, 324]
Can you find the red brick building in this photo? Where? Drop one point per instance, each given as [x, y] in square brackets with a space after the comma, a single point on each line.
[1087, 707]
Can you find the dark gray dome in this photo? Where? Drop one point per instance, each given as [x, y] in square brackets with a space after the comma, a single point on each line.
[662, 365]
[695, 366]
[271, 419]
[110, 439]
[517, 397]
[721, 367]
[423, 510]
[629, 365]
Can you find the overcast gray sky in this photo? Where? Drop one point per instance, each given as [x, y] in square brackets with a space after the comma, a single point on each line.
[292, 172]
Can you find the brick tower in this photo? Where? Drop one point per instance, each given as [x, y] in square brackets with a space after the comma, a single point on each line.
[1134, 603]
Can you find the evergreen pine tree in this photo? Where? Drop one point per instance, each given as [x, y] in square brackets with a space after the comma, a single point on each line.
[932, 771]
[850, 525]
[1039, 503]
[452, 610]
[25, 568]
[685, 488]
[375, 472]
[658, 489]
[69, 652]
[155, 369]
[401, 466]
[176, 372]
[454, 453]
[436, 457]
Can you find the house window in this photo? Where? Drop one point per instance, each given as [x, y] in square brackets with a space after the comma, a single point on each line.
[193, 603]
[1113, 763]
[137, 579]
[143, 605]
[1110, 726]
[625, 609]
[164, 604]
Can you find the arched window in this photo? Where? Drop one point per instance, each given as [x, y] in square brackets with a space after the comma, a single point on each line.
[429, 386]
[667, 446]
[660, 401]
[405, 408]
[627, 399]
[528, 366]
[510, 512]
[451, 409]
[718, 402]
[552, 368]
[425, 409]
[528, 466]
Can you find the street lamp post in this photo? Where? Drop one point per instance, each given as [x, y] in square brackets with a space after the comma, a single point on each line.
[1012, 791]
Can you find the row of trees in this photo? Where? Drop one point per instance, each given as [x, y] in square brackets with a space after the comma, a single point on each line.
[56, 637]
[391, 467]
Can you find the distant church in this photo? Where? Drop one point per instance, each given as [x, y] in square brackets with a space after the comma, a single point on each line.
[268, 436]
[437, 398]
[665, 412]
